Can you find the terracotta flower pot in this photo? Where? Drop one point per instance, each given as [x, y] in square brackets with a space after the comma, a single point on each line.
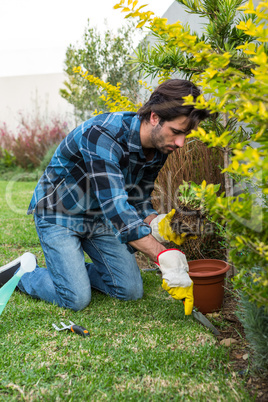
[208, 277]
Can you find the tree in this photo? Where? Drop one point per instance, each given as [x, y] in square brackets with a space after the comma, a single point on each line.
[242, 98]
[106, 57]
[220, 32]
[164, 58]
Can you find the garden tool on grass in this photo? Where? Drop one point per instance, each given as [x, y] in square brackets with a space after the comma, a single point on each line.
[186, 295]
[176, 281]
[72, 327]
[27, 264]
[188, 301]
[178, 293]
[204, 321]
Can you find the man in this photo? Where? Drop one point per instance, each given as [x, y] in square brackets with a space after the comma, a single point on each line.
[94, 197]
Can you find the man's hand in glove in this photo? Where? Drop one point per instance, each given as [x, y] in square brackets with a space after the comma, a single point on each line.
[162, 231]
[176, 280]
[185, 294]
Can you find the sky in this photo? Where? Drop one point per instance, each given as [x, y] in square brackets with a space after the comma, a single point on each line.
[34, 35]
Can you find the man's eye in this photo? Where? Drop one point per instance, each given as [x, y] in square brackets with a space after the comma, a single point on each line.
[179, 133]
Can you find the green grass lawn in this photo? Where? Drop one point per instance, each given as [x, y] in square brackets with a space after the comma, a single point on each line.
[144, 350]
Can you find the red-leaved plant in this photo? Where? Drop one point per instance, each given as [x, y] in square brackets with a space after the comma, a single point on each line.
[32, 140]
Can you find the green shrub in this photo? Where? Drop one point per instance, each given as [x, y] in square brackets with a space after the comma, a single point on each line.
[229, 62]
[6, 159]
[255, 322]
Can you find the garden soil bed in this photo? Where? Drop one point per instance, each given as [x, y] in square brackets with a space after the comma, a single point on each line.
[231, 331]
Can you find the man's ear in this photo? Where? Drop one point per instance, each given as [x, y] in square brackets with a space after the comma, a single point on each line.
[154, 119]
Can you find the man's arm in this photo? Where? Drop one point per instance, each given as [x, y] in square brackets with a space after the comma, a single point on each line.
[149, 218]
[149, 246]
[173, 266]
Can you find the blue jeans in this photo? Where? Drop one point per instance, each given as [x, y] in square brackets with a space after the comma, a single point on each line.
[68, 279]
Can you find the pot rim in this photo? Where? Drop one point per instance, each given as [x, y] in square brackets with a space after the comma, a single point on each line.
[217, 272]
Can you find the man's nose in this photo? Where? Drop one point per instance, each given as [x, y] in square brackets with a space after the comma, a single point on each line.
[179, 142]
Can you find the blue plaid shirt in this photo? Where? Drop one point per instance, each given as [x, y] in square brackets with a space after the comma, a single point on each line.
[99, 171]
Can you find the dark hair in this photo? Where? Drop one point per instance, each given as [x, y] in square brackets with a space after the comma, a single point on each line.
[167, 102]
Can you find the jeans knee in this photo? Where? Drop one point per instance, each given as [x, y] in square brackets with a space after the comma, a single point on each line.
[77, 302]
[133, 291]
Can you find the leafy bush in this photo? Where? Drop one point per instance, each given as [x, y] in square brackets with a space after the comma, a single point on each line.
[6, 159]
[255, 322]
[105, 56]
[233, 79]
[29, 145]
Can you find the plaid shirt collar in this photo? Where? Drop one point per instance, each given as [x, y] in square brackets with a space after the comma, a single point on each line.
[134, 141]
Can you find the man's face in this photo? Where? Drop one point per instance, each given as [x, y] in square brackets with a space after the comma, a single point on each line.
[170, 135]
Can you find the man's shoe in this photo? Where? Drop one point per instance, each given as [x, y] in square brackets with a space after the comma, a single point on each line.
[8, 270]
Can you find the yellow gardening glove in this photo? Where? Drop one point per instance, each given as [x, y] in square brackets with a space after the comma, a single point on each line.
[179, 293]
[176, 280]
[161, 229]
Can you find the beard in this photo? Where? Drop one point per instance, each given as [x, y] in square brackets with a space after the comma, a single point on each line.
[158, 140]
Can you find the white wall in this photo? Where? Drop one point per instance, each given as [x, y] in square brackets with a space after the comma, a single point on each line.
[32, 94]
[176, 12]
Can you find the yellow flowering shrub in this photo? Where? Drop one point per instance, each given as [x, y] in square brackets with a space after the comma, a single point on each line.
[233, 93]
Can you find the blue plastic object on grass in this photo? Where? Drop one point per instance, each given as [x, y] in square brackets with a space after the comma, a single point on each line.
[27, 264]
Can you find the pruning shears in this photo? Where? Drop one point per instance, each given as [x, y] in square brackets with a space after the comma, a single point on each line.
[77, 329]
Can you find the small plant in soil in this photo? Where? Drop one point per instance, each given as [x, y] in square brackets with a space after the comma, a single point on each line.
[190, 215]
[192, 219]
